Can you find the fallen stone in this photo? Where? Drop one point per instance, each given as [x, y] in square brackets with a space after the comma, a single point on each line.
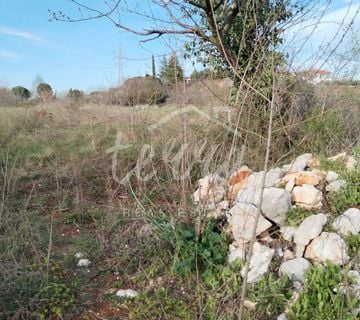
[307, 177]
[79, 255]
[328, 246]
[237, 181]
[83, 263]
[126, 293]
[348, 222]
[295, 268]
[211, 189]
[335, 186]
[259, 262]
[307, 196]
[288, 255]
[301, 162]
[276, 204]
[331, 176]
[242, 220]
[220, 210]
[350, 163]
[309, 229]
[287, 232]
[282, 317]
[290, 184]
[236, 251]
[340, 156]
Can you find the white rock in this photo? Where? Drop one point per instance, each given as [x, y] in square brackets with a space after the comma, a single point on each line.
[290, 184]
[301, 162]
[307, 196]
[220, 210]
[335, 186]
[276, 204]
[288, 255]
[350, 163]
[295, 268]
[126, 293]
[340, 156]
[328, 246]
[282, 317]
[272, 177]
[299, 250]
[242, 220]
[309, 229]
[84, 263]
[211, 189]
[236, 251]
[348, 222]
[331, 176]
[287, 232]
[259, 262]
[79, 255]
[355, 275]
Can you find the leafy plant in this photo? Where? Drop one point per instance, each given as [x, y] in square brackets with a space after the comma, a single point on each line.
[271, 295]
[353, 244]
[297, 215]
[320, 300]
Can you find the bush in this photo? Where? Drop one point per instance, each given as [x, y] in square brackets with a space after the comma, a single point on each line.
[45, 92]
[7, 98]
[142, 90]
[21, 92]
[75, 94]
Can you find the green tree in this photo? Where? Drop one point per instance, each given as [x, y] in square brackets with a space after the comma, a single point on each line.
[171, 71]
[21, 92]
[45, 91]
[75, 94]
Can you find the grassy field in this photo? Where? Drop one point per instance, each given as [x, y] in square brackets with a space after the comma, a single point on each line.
[59, 197]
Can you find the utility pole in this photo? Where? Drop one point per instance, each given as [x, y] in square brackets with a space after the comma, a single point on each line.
[120, 66]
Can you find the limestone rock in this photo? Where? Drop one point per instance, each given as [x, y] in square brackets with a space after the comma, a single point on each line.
[307, 196]
[237, 181]
[328, 246]
[276, 204]
[295, 268]
[288, 232]
[126, 293]
[309, 229]
[301, 162]
[350, 163]
[290, 184]
[331, 176]
[348, 222]
[220, 210]
[340, 156]
[307, 177]
[335, 185]
[84, 263]
[236, 251]
[242, 221]
[288, 255]
[259, 262]
[211, 189]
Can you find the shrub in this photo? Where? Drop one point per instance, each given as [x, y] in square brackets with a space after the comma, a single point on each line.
[142, 90]
[7, 98]
[45, 92]
[75, 94]
[21, 92]
[319, 300]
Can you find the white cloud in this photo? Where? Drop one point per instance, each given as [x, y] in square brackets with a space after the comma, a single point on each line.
[9, 55]
[20, 34]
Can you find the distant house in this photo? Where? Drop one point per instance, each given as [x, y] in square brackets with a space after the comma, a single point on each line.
[315, 76]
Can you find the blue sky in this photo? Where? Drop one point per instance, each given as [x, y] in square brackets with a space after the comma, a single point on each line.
[85, 55]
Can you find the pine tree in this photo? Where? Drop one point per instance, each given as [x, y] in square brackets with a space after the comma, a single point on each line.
[171, 71]
[153, 67]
